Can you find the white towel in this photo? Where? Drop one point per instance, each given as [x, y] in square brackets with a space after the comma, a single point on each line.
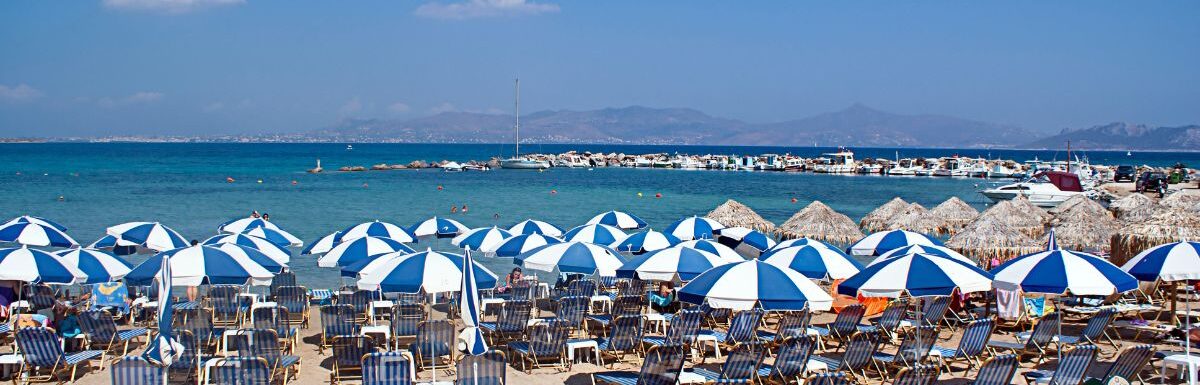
[1008, 304]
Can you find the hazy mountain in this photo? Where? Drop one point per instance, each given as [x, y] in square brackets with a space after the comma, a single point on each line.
[1125, 136]
[860, 125]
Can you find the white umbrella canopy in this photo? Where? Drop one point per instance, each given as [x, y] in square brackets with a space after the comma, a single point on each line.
[918, 275]
[201, 264]
[748, 284]
[97, 265]
[151, 235]
[35, 234]
[427, 271]
[275, 252]
[572, 257]
[725, 252]
[37, 266]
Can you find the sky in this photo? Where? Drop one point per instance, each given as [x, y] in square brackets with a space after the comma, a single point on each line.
[175, 67]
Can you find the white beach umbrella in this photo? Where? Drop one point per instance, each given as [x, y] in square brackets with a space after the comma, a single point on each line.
[745, 285]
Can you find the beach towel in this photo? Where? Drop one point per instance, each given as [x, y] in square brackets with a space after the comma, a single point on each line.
[110, 295]
[1008, 304]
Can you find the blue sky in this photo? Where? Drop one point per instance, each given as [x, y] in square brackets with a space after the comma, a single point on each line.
[228, 66]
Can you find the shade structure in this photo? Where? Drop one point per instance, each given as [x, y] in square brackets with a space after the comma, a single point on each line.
[351, 251]
[912, 217]
[201, 264]
[1163, 225]
[598, 234]
[924, 249]
[478, 239]
[352, 270]
[801, 242]
[1175, 261]
[151, 235]
[618, 219]
[885, 241]
[247, 252]
[532, 226]
[437, 227]
[116, 246]
[278, 253]
[815, 262]
[692, 228]
[665, 265]
[745, 285]
[725, 252]
[1059, 271]
[278, 237]
[918, 275]
[428, 271]
[241, 225]
[518, 244]
[989, 239]
[734, 213]
[471, 338]
[37, 220]
[646, 241]
[36, 266]
[322, 245]
[948, 217]
[879, 218]
[819, 221]
[375, 229]
[747, 242]
[98, 265]
[34, 234]
[572, 257]
[164, 349]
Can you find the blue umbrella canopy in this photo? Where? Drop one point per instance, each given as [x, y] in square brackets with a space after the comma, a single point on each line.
[151, 235]
[375, 229]
[1061, 271]
[754, 283]
[427, 271]
[252, 254]
[694, 228]
[116, 245]
[665, 265]
[37, 220]
[801, 242]
[815, 262]
[596, 233]
[1175, 261]
[241, 225]
[516, 245]
[32, 265]
[918, 275]
[201, 264]
[97, 265]
[322, 245]
[278, 237]
[348, 252]
[885, 241]
[481, 238]
[572, 257]
[618, 219]
[924, 249]
[278, 253]
[647, 241]
[748, 242]
[531, 226]
[438, 227]
[725, 252]
[34, 234]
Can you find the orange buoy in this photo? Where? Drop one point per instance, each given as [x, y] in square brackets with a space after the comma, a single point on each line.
[439, 187]
[793, 200]
[658, 195]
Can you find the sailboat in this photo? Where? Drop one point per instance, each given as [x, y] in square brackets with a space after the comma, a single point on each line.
[517, 162]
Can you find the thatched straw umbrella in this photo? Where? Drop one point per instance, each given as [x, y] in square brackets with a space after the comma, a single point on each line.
[1164, 226]
[909, 219]
[948, 217]
[1082, 224]
[734, 214]
[878, 219]
[1133, 208]
[1181, 200]
[1019, 214]
[989, 237]
[818, 221]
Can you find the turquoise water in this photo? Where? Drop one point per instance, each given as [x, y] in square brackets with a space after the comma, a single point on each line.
[184, 186]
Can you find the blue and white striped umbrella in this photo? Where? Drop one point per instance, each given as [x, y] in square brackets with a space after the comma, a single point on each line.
[352, 270]
[375, 229]
[438, 227]
[240, 225]
[815, 262]
[33, 234]
[801, 242]
[748, 242]
[201, 264]
[518, 244]
[619, 219]
[278, 237]
[38, 220]
[744, 285]
[150, 235]
[713, 247]
[647, 241]
[247, 252]
[664, 265]
[117, 246]
[598, 234]
[1175, 261]
[572, 257]
[885, 241]
[918, 275]
[429, 271]
[532, 226]
[694, 228]
[97, 265]
[36, 266]
[923, 249]
[481, 238]
[322, 245]
[164, 349]
[351, 251]
[471, 339]
[1063, 271]
[278, 253]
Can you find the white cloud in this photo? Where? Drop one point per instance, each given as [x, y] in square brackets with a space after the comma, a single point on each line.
[142, 97]
[473, 9]
[351, 107]
[168, 6]
[444, 107]
[19, 93]
[398, 108]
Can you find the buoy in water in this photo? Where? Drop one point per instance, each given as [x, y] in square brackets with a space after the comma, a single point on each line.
[553, 192]
[639, 194]
[793, 200]
[439, 187]
[364, 185]
[658, 195]
[295, 183]
[260, 181]
[229, 179]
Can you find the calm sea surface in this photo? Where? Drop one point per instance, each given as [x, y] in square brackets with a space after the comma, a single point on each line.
[184, 186]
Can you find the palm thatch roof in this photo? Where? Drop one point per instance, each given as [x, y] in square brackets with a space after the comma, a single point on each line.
[990, 237]
[1082, 224]
[734, 214]
[1133, 208]
[818, 221]
[1165, 225]
[878, 219]
[1019, 214]
[1181, 200]
[908, 219]
[948, 217]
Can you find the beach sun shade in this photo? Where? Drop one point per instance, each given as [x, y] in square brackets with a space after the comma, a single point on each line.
[884, 241]
[743, 285]
[278, 253]
[572, 257]
[694, 228]
[150, 235]
[97, 265]
[117, 246]
[348, 252]
[164, 349]
[1063, 271]
[278, 237]
[618, 219]
[801, 242]
[1176, 261]
[241, 225]
[37, 220]
[33, 234]
[713, 247]
[200, 264]
[923, 249]
[646, 241]
[815, 262]
[247, 252]
[430, 271]
[36, 266]
[437, 227]
[322, 245]
[664, 265]
[375, 229]
[748, 242]
[918, 275]
[471, 338]
[481, 238]
[352, 270]
[532, 226]
[516, 245]
[599, 234]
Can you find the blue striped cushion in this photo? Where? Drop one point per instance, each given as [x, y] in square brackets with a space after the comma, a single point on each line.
[75, 358]
[129, 334]
[489, 326]
[709, 376]
[764, 370]
[602, 319]
[945, 352]
[829, 362]
[867, 328]
[819, 330]
[884, 357]
[719, 335]
[286, 361]
[656, 341]
[619, 378]
[520, 346]
[1006, 345]
[765, 336]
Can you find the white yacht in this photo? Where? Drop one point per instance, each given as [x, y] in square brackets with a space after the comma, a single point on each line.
[517, 162]
[952, 166]
[1045, 189]
[841, 162]
[906, 166]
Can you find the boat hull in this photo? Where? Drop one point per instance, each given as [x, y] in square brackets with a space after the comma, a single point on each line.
[524, 164]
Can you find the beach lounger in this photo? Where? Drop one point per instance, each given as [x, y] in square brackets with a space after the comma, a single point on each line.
[514, 317]
[1070, 371]
[843, 327]
[1130, 363]
[998, 370]
[199, 322]
[295, 300]
[361, 302]
[1035, 343]
[319, 297]
[543, 342]
[682, 330]
[264, 343]
[348, 352]
[624, 338]
[486, 369]
[103, 334]
[889, 320]
[42, 351]
[832, 378]
[190, 362]
[136, 371]
[1095, 330]
[622, 306]
[857, 358]
[917, 375]
[226, 306]
[386, 368]
[914, 348]
[661, 366]
[282, 279]
[933, 313]
[571, 311]
[792, 324]
[336, 321]
[740, 367]
[742, 329]
[405, 319]
[792, 362]
[974, 340]
[435, 339]
[277, 319]
[240, 371]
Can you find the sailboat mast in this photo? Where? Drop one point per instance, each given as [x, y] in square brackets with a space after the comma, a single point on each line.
[1068, 156]
[517, 127]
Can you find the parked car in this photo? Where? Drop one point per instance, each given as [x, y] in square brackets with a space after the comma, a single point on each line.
[1125, 173]
[1152, 181]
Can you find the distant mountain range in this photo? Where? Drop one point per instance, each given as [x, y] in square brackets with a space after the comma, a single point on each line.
[1125, 136]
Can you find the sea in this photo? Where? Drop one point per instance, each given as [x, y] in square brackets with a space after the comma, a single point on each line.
[90, 186]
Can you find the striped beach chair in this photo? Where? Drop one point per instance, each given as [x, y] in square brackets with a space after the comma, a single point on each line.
[486, 369]
[282, 279]
[1071, 369]
[405, 319]
[320, 297]
[681, 331]
[191, 361]
[740, 367]
[917, 375]
[295, 300]
[264, 343]
[136, 371]
[792, 324]
[361, 301]
[998, 370]
[348, 352]
[199, 322]
[791, 364]
[337, 321]
[624, 338]
[743, 328]
[1130, 363]
[1095, 330]
[830, 378]
[435, 339]
[661, 366]
[857, 358]
[514, 317]
[386, 368]
[975, 337]
[102, 332]
[1035, 343]
[913, 349]
[44, 356]
[278, 319]
[622, 306]
[889, 320]
[226, 305]
[544, 342]
[933, 313]
[843, 327]
[240, 371]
